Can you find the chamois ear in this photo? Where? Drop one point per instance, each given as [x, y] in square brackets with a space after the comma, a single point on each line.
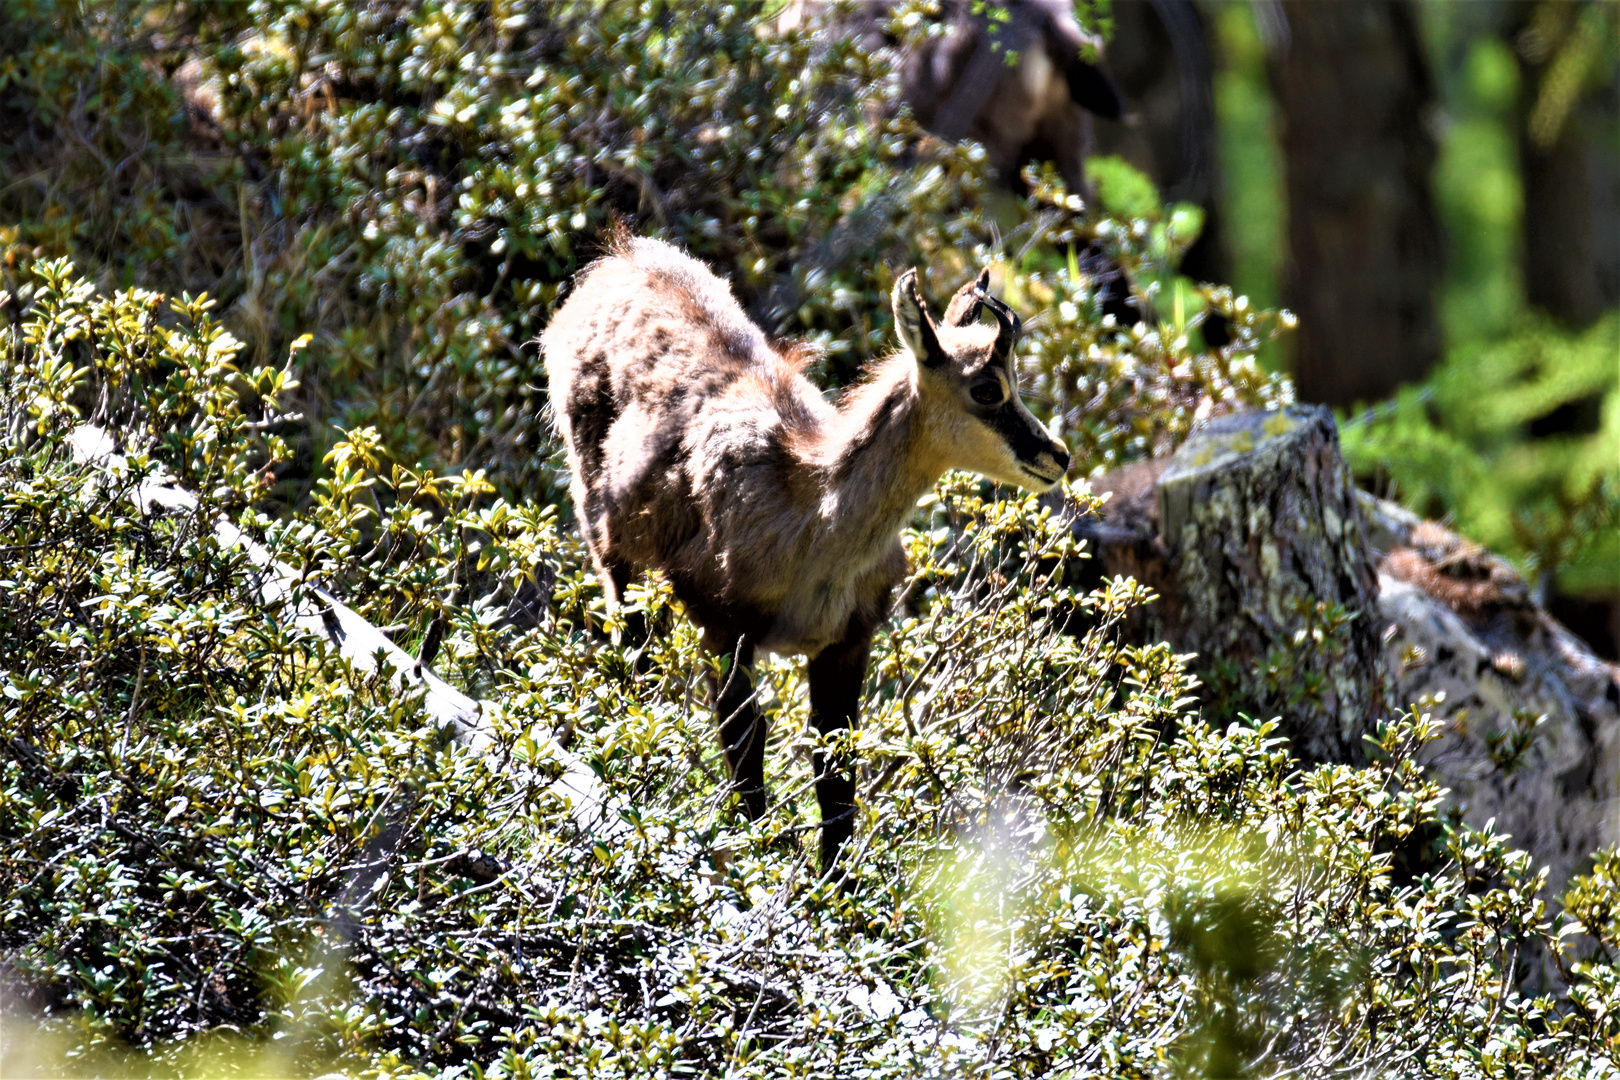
[965, 306]
[912, 321]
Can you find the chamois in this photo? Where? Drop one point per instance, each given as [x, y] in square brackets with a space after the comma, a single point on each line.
[699, 449]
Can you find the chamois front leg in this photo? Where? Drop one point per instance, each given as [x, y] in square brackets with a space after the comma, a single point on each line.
[837, 676]
[638, 629]
[742, 728]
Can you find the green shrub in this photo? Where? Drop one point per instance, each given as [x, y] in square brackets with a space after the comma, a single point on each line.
[1461, 445]
[1515, 436]
[413, 185]
[1060, 867]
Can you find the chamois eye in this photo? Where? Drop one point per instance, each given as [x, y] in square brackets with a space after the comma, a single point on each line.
[987, 393]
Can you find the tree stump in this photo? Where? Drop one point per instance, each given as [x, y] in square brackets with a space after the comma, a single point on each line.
[1263, 569]
[1255, 519]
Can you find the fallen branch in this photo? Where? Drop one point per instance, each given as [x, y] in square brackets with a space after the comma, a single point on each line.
[366, 648]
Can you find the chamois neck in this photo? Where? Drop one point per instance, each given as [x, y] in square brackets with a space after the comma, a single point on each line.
[874, 458]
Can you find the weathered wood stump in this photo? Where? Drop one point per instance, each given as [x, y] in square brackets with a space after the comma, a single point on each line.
[1261, 561]
[1255, 521]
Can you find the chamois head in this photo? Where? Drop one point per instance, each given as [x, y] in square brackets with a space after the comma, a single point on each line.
[968, 382]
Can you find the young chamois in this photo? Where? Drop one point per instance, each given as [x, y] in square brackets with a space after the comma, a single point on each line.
[700, 450]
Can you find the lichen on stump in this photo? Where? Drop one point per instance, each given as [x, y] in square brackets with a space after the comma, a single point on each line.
[1266, 544]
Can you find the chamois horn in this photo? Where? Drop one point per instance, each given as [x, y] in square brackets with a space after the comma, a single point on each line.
[1006, 318]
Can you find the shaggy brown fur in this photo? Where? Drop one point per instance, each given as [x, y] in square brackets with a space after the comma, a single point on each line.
[700, 450]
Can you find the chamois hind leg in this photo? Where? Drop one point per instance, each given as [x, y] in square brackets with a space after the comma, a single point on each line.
[742, 728]
[836, 678]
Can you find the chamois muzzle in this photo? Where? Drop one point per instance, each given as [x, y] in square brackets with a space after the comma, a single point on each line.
[1039, 454]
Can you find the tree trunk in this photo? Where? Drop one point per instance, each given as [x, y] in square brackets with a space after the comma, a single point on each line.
[1570, 164]
[1560, 245]
[1530, 718]
[1160, 56]
[1260, 541]
[1354, 94]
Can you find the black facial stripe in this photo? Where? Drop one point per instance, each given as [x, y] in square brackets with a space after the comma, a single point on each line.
[1003, 364]
[1027, 439]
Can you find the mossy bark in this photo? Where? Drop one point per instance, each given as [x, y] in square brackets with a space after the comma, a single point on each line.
[1258, 516]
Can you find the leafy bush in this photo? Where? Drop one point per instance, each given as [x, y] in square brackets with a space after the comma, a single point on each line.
[1059, 866]
[413, 185]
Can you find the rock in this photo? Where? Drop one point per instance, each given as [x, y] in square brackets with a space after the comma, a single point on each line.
[1531, 718]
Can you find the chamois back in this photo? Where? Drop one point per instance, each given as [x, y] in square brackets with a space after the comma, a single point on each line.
[686, 429]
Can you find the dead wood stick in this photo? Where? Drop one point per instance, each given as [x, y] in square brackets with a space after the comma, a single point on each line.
[366, 648]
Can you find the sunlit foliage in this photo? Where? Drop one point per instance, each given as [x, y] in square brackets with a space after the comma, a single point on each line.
[1058, 867]
[1460, 445]
[413, 185]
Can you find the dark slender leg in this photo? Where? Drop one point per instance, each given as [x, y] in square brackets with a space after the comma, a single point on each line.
[742, 729]
[836, 678]
[637, 628]
[619, 577]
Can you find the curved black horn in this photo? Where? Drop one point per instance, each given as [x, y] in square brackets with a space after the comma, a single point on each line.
[1007, 319]
[964, 307]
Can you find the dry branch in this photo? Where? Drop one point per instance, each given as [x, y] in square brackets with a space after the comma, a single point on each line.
[317, 612]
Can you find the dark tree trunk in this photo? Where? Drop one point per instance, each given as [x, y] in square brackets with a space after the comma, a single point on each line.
[1355, 96]
[1571, 173]
[1160, 57]
[1560, 246]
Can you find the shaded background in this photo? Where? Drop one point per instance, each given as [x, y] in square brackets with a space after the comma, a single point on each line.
[396, 193]
[1401, 173]
[1411, 177]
